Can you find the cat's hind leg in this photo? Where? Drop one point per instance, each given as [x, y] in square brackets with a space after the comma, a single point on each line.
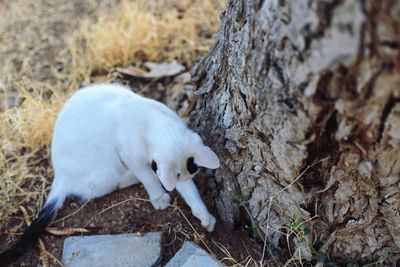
[127, 180]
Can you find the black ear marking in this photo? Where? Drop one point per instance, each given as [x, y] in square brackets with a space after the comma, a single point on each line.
[191, 166]
[154, 166]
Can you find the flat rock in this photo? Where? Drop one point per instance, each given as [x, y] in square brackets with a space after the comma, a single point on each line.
[191, 255]
[112, 250]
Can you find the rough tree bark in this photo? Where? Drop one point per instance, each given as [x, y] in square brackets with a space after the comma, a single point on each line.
[289, 83]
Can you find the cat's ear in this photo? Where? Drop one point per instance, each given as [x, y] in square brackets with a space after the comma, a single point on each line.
[205, 157]
[167, 176]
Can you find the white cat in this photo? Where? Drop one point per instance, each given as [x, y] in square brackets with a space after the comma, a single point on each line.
[107, 137]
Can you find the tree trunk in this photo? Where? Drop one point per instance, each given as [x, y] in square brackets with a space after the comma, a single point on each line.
[301, 100]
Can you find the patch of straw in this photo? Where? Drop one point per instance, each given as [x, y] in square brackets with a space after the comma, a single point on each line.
[25, 136]
[134, 32]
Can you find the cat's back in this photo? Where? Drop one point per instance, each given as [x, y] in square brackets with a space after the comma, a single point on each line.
[90, 112]
[96, 102]
[111, 107]
[101, 95]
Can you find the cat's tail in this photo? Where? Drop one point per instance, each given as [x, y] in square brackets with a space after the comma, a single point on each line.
[33, 232]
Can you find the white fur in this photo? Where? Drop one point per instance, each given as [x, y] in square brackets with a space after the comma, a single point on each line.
[106, 137]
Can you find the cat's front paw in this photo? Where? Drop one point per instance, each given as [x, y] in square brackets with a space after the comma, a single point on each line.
[161, 202]
[209, 223]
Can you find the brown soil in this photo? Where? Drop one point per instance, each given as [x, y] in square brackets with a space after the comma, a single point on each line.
[119, 214]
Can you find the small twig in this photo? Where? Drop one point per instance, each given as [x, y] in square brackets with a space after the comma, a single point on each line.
[290, 251]
[71, 214]
[187, 220]
[228, 256]
[254, 223]
[309, 219]
[55, 259]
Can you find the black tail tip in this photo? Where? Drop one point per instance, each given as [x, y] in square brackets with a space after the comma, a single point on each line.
[30, 236]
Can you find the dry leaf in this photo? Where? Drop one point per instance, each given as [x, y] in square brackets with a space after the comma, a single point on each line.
[71, 231]
[156, 70]
[44, 258]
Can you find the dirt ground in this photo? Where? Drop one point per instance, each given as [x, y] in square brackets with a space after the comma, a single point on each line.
[119, 213]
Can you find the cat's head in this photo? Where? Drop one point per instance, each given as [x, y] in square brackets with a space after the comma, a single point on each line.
[185, 163]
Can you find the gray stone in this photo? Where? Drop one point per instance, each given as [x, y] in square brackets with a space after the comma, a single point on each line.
[112, 250]
[190, 255]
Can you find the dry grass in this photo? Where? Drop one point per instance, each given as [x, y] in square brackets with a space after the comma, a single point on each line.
[31, 124]
[25, 135]
[49, 47]
[143, 30]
